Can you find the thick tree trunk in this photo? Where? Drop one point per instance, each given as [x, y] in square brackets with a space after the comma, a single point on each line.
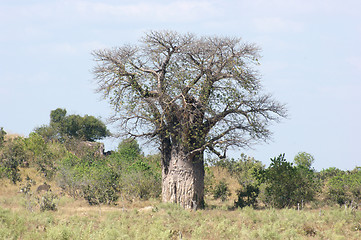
[183, 179]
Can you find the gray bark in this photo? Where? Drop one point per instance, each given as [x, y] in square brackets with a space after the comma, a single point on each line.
[183, 179]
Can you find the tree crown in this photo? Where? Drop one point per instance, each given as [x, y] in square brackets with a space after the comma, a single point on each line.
[202, 92]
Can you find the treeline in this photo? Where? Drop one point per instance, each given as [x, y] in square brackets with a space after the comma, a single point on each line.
[80, 171]
[65, 152]
[287, 184]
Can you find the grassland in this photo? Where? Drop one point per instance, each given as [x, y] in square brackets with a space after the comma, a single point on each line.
[20, 218]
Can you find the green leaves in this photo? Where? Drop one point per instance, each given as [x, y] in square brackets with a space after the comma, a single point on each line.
[345, 187]
[286, 185]
[184, 87]
[61, 126]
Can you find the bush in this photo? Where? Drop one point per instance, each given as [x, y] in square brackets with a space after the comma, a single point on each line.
[2, 137]
[43, 155]
[286, 185]
[244, 170]
[100, 184]
[140, 177]
[93, 180]
[247, 196]
[12, 155]
[345, 187]
[101, 179]
[47, 202]
[221, 190]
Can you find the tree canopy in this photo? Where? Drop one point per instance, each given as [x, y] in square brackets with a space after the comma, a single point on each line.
[190, 94]
[185, 87]
[88, 128]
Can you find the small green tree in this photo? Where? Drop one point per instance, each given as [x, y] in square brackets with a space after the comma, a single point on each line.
[129, 149]
[287, 185]
[42, 155]
[245, 170]
[247, 196]
[345, 187]
[221, 190]
[2, 136]
[64, 126]
[304, 160]
[12, 155]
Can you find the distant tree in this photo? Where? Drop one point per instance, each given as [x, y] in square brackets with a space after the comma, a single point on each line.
[287, 185]
[190, 94]
[328, 173]
[57, 115]
[12, 155]
[221, 190]
[304, 159]
[345, 187]
[63, 126]
[2, 136]
[129, 149]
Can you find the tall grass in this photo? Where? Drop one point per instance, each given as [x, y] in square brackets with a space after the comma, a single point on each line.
[168, 221]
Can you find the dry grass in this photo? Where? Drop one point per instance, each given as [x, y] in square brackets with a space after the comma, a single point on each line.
[10, 136]
[75, 219]
[221, 173]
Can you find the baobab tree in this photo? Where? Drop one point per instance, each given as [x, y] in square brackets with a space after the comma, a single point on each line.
[190, 94]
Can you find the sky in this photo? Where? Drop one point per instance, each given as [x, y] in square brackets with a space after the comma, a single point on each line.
[311, 62]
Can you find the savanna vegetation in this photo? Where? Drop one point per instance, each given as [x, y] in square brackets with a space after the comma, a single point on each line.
[117, 196]
[188, 96]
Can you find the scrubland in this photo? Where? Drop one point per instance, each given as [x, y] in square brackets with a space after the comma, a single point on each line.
[21, 218]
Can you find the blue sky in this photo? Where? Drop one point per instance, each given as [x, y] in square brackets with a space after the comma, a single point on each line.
[311, 61]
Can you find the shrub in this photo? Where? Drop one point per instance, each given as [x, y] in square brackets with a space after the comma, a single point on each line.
[221, 190]
[345, 187]
[12, 155]
[43, 155]
[286, 185]
[100, 184]
[47, 202]
[209, 180]
[93, 180]
[2, 136]
[247, 196]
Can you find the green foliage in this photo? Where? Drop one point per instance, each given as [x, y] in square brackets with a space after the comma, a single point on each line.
[140, 177]
[2, 136]
[345, 187]
[94, 181]
[286, 185]
[61, 127]
[304, 160]
[247, 196]
[12, 155]
[209, 180]
[57, 116]
[47, 202]
[129, 149]
[328, 173]
[41, 155]
[245, 169]
[221, 190]
[103, 180]
[101, 184]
